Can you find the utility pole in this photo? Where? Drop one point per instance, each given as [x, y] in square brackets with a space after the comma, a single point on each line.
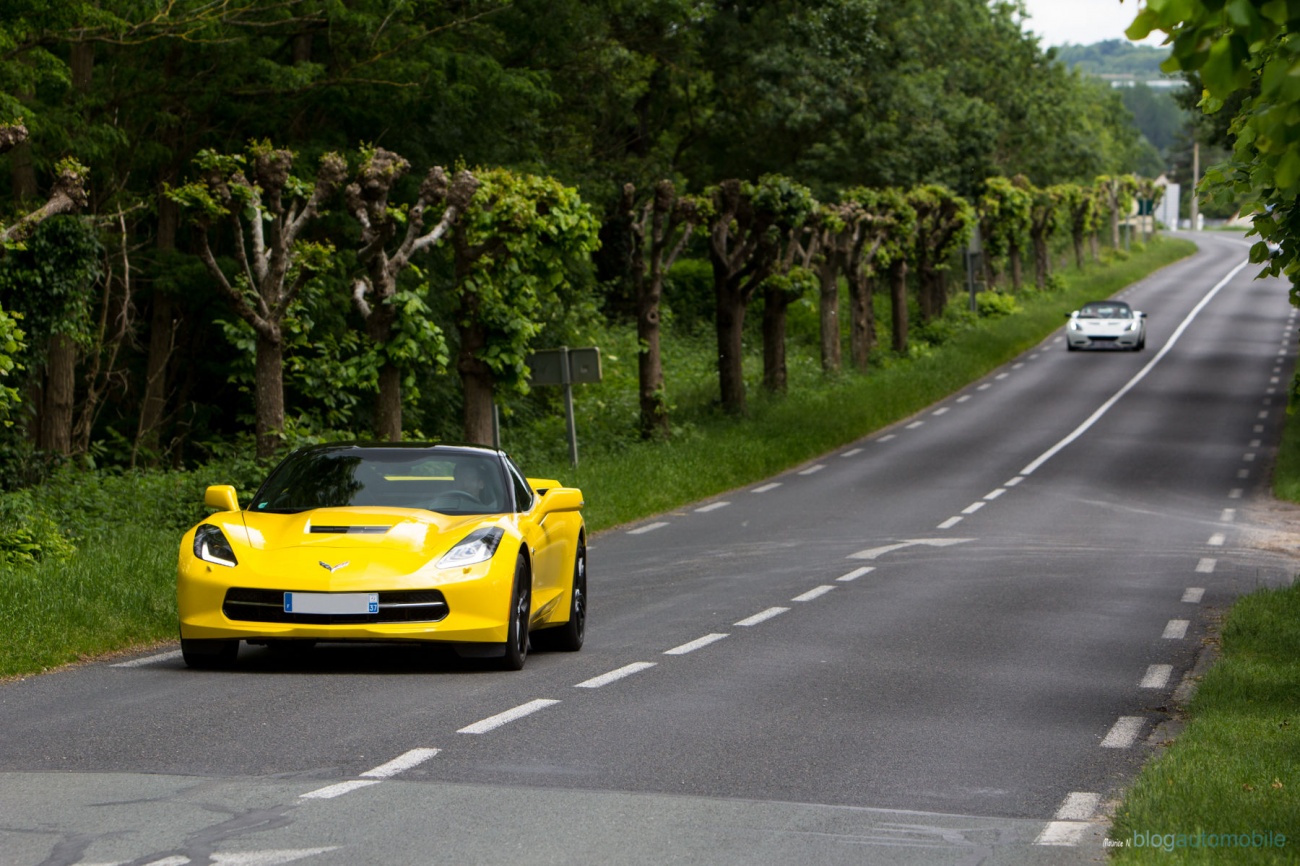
[1196, 178]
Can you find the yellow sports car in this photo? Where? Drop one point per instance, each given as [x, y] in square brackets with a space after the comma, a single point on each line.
[387, 542]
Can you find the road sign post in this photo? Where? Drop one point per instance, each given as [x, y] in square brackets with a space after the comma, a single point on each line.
[566, 367]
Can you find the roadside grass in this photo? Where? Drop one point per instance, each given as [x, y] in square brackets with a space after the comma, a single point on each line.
[117, 589]
[1228, 788]
[105, 597]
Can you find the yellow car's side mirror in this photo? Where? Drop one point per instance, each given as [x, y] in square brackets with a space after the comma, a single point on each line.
[562, 499]
[221, 497]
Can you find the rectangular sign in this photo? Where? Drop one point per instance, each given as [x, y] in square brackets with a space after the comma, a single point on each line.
[547, 366]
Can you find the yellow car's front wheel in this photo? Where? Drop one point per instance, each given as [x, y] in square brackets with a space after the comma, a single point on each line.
[521, 605]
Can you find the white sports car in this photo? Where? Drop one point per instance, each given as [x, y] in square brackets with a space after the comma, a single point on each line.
[1106, 325]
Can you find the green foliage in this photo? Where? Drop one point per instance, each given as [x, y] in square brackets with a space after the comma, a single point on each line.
[28, 534]
[1004, 216]
[1246, 54]
[533, 230]
[11, 347]
[991, 305]
[48, 281]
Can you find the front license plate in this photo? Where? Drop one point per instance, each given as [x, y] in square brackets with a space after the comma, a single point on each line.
[331, 602]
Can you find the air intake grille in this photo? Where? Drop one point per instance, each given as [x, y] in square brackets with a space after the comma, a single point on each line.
[349, 530]
[267, 605]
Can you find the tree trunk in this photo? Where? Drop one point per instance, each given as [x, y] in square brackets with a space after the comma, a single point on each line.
[862, 320]
[388, 405]
[1017, 270]
[60, 391]
[898, 304]
[1078, 251]
[775, 376]
[829, 307]
[477, 385]
[1042, 262]
[269, 390]
[731, 370]
[650, 369]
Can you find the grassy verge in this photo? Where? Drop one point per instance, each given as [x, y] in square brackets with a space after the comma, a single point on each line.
[117, 590]
[1228, 789]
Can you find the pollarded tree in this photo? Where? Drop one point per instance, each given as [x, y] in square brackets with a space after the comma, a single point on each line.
[660, 228]
[512, 251]
[1079, 210]
[1044, 217]
[375, 292]
[944, 221]
[886, 223]
[745, 233]
[1004, 220]
[1116, 197]
[266, 217]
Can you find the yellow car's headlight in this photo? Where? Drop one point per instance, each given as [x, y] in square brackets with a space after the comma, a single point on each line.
[478, 546]
[210, 545]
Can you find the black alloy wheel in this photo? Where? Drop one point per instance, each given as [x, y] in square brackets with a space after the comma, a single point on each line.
[521, 611]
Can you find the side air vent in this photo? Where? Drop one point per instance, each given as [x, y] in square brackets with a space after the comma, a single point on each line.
[349, 530]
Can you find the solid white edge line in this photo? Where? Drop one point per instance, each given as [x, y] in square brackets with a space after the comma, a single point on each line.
[400, 764]
[614, 675]
[856, 573]
[331, 791]
[763, 616]
[1141, 374]
[493, 722]
[815, 592]
[692, 646]
[148, 660]
[1123, 733]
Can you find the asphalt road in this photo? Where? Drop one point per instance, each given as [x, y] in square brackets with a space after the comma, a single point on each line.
[952, 642]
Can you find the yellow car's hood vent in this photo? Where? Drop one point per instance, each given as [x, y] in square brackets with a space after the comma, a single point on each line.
[370, 528]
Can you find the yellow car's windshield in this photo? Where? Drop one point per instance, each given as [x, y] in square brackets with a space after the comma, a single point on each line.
[450, 482]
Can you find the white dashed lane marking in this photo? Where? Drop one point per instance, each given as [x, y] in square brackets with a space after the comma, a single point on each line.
[714, 506]
[973, 507]
[1193, 594]
[766, 487]
[692, 646]
[815, 592]
[950, 523]
[331, 791]
[1123, 733]
[649, 527]
[1206, 565]
[813, 469]
[614, 675]
[763, 616]
[400, 764]
[1072, 820]
[855, 574]
[491, 723]
[1217, 539]
[1156, 677]
[1176, 629]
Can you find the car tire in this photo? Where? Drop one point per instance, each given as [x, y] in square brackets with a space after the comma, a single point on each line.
[569, 637]
[516, 646]
[205, 654]
[1070, 347]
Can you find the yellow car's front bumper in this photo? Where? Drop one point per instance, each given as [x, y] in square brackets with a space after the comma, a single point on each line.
[477, 602]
